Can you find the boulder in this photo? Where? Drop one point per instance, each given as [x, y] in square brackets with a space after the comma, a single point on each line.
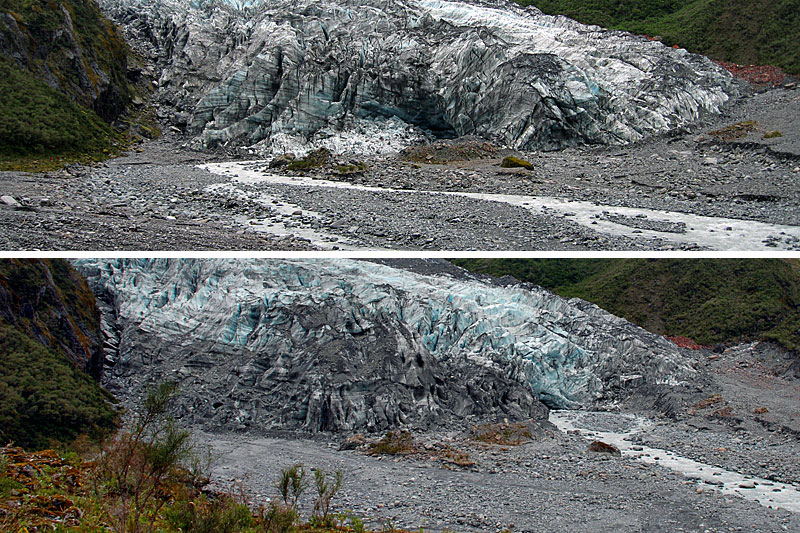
[598, 446]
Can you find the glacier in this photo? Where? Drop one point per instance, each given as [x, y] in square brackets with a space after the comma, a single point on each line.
[245, 72]
[333, 344]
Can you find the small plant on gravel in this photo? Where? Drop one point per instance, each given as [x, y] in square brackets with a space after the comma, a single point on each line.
[503, 433]
[724, 412]
[735, 131]
[773, 134]
[708, 402]
[516, 162]
[351, 168]
[292, 484]
[760, 411]
[456, 457]
[279, 518]
[314, 159]
[356, 524]
[394, 443]
[325, 492]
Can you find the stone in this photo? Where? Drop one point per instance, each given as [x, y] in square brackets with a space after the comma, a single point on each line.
[603, 447]
[516, 162]
[10, 201]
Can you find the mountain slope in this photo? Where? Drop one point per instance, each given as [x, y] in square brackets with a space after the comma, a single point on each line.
[50, 350]
[709, 300]
[760, 32]
[63, 77]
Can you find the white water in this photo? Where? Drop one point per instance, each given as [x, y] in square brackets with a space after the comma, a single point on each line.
[716, 233]
[765, 492]
[321, 239]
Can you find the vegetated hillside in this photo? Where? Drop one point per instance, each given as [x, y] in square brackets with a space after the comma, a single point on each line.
[742, 31]
[709, 300]
[38, 120]
[50, 350]
[63, 71]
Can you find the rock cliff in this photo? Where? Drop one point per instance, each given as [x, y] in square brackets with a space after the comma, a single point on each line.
[48, 301]
[49, 344]
[285, 72]
[350, 345]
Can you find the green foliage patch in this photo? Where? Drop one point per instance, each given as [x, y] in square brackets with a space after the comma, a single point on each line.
[708, 300]
[68, 75]
[36, 120]
[742, 31]
[44, 398]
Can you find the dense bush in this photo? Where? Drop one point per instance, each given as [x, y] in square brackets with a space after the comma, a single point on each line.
[708, 300]
[35, 119]
[44, 398]
[741, 31]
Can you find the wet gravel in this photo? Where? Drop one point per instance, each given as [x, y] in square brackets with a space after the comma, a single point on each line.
[554, 481]
[158, 199]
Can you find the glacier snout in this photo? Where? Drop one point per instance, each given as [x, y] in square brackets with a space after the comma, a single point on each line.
[343, 345]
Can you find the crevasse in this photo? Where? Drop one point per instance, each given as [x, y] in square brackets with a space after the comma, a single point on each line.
[570, 353]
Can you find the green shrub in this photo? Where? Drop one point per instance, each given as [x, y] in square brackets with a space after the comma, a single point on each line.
[44, 398]
[38, 120]
[314, 159]
[325, 493]
[742, 31]
[138, 465]
[292, 484]
[394, 443]
[223, 515]
[280, 518]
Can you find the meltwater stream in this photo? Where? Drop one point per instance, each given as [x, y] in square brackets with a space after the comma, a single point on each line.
[716, 233]
[617, 429]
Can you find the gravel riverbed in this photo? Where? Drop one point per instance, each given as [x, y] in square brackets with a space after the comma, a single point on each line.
[554, 482]
[158, 198]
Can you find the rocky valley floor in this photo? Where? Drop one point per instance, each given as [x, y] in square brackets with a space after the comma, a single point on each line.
[689, 191]
[555, 483]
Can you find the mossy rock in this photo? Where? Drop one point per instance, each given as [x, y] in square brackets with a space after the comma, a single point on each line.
[314, 159]
[735, 131]
[516, 162]
[353, 168]
[773, 134]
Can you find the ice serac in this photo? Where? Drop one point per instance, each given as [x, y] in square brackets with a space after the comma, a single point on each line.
[343, 345]
[281, 71]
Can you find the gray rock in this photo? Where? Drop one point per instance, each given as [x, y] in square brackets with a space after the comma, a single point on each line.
[10, 201]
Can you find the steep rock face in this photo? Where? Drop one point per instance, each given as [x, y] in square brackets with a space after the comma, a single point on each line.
[343, 345]
[48, 301]
[278, 71]
[70, 46]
